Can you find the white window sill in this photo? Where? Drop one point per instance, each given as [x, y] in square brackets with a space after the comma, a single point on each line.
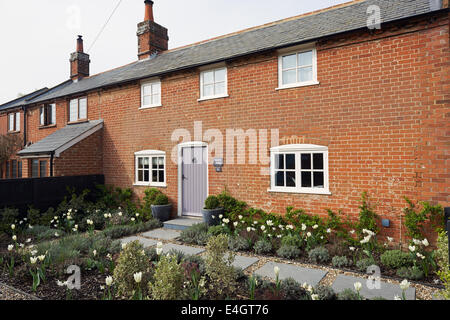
[214, 97]
[298, 85]
[317, 192]
[151, 107]
[147, 184]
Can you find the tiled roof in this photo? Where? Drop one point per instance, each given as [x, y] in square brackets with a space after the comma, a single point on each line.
[280, 34]
[61, 138]
[21, 100]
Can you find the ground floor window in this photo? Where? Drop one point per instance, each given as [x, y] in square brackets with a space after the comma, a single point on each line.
[39, 168]
[300, 168]
[151, 168]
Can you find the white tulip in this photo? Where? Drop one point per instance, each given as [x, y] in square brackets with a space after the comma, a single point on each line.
[404, 285]
[303, 227]
[263, 228]
[425, 242]
[315, 296]
[13, 226]
[390, 239]
[249, 229]
[315, 226]
[33, 260]
[412, 248]
[109, 281]
[138, 277]
[41, 258]
[397, 298]
[309, 234]
[276, 269]
[352, 248]
[240, 217]
[94, 252]
[235, 224]
[124, 245]
[358, 286]
[10, 247]
[120, 214]
[328, 230]
[14, 237]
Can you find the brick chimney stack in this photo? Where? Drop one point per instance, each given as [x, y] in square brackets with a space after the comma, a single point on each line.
[152, 38]
[79, 62]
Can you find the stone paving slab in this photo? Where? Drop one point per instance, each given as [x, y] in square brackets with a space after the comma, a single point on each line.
[387, 290]
[244, 262]
[145, 242]
[182, 223]
[162, 234]
[185, 249]
[299, 274]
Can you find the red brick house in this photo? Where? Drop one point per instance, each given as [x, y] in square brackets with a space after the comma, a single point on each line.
[307, 112]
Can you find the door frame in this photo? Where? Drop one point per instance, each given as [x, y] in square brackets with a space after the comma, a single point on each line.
[180, 170]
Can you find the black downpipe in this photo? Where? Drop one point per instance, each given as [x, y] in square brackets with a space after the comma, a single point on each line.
[52, 155]
[24, 126]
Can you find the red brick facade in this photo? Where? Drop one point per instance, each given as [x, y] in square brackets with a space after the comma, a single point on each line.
[382, 109]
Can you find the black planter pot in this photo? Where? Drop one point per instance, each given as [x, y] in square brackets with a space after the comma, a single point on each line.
[211, 217]
[162, 213]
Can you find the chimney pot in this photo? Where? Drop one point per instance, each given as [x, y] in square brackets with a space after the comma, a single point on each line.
[80, 47]
[79, 62]
[148, 10]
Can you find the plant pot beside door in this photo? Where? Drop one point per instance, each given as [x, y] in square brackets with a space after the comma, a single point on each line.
[161, 208]
[212, 211]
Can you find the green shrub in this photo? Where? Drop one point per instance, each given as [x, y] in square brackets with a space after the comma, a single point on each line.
[42, 233]
[416, 220]
[161, 200]
[411, 273]
[230, 205]
[325, 292]
[292, 240]
[216, 230]
[340, 262]
[288, 252]
[238, 243]
[263, 246]
[113, 197]
[8, 217]
[219, 268]
[132, 260]
[120, 231]
[168, 279]
[348, 294]
[292, 290]
[33, 216]
[363, 264]
[441, 255]
[319, 255]
[196, 234]
[212, 202]
[367, 217]
[395, 259]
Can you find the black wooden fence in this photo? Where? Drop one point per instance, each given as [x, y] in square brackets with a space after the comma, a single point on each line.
[42, 193]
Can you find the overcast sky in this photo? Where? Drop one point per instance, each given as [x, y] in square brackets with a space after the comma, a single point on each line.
[37, 37]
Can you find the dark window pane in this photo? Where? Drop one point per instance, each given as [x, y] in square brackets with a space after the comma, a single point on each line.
[155, 163]
[19, 171]
[35, 169]
[140, 163]
[318, 180]
[306, 161]
[306, 179]
[161, 176]
[146, 176]
[14, 169]
[279, 161]
[8, 170]
[154, 175]
[279, 179]
[290, 179]
[290, 161]
[318, 161]
[140, 176]
[146, 163]
[43, 169]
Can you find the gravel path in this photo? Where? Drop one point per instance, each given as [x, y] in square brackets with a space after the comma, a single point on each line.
[9, 293]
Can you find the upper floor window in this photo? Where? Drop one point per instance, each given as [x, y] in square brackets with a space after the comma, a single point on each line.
[297, 68]
[78, 109]
[151, 94]
[151, 168]
[14, 122]
[213, 83]
[47, 115]
[301, 168]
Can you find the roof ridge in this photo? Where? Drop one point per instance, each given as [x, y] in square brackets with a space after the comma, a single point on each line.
[24, 97]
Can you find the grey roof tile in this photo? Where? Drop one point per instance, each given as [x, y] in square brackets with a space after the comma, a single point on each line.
[21, 100]
[59, 138]
[289, 32]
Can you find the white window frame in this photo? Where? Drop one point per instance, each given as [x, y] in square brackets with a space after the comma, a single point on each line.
[215, 96]
[151, 83]
[150, 154]
[298, 149]
[297, 50]
[77, 100]
[14, 126]
[42, 115]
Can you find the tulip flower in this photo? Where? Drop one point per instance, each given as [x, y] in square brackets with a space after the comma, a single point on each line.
[138, 277]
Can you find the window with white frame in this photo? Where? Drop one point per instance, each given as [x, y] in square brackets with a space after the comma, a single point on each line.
[14, 122]
[151, 168]
[301, 168]
[151, 94]
[297, 68]
[47, 115]
[78, 109]
[213, 83]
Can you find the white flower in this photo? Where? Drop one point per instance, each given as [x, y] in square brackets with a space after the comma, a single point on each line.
[390, 239]
[303, 227]
[124, 245]
[137, 214]
[138, 277]
[357, 286]
[263, 228]
[159, 248]
[309, 234]
[328, 230]
[404, 285]
[213, 216]
[34, 252]
[28, 240]
[240, 217]
[30, 226]
[412, 248]
[352, 231]
[310, 289]
[41, 258]
[14, 237]
[279, 236]
[276, 269]
[120, 214]
[226, 221]
[109, 281]
[397, 298]
[315, 296]
[220, 216]
[269, 223]
[10, 247]
[33, 260]
[291, 227]
[133, 219]
[21, 245]
[425, 242]
[105, 215]
[94, 252]
[421, 256]
[56, 234]
[255, 222]
[315, 226]
[236, 224]
[417, 242]
[249, 229]
[13, 226]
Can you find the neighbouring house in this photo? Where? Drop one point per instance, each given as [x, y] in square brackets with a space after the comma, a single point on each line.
[307, 112]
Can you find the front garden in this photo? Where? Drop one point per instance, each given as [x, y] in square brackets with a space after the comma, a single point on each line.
[37, 250]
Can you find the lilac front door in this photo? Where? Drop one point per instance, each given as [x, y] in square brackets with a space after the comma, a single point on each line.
[194, 180]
